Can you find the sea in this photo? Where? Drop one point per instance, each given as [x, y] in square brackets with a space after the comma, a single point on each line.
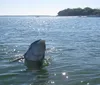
[73, 49]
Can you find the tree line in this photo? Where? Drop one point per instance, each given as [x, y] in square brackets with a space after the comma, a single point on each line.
[87, 11]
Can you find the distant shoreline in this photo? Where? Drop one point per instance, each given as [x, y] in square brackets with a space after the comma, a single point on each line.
[44, 16]
[87, 11]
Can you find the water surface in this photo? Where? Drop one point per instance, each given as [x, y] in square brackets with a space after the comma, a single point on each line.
[74, 49]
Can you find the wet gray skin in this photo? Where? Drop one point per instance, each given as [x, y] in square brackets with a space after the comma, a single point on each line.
[35, 54]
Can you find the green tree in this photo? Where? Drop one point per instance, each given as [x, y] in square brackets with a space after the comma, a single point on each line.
[87, 11]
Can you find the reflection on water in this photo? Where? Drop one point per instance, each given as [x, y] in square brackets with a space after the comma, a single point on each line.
[41, 77]
[73, 49]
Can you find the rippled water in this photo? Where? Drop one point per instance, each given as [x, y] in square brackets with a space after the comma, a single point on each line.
[74, 49]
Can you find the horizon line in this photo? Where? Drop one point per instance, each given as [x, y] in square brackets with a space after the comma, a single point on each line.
[28, 15]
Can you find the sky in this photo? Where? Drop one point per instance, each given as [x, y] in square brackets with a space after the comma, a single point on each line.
[42, 7]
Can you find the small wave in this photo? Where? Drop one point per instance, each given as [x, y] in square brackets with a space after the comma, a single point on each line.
[52, 49]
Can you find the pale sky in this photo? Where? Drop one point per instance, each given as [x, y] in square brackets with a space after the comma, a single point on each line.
[42, 7]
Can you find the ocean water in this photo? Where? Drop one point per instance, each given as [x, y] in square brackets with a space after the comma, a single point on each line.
[73, 45]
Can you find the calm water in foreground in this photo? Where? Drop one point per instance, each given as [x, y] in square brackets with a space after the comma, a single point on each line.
[74, 49]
